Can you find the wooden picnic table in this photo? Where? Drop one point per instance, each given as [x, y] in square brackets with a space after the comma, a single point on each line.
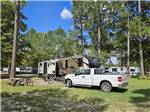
[15, 81]
[21, 81]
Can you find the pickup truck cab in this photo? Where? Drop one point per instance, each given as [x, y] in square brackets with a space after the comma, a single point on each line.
[96, 77]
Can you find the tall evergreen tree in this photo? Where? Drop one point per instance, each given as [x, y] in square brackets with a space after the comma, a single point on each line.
[96, 23]
[7, 26]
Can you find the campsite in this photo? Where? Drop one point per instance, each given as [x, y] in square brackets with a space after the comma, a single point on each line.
[55, 97]
[75, 56]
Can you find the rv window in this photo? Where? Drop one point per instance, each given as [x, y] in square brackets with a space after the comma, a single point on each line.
[114, 69]
[132, 70]
[28, 68]
[80, 62]
[21, 69]
[66, 66]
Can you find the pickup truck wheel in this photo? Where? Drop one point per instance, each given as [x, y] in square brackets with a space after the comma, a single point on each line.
[106, 87]
[68, 83]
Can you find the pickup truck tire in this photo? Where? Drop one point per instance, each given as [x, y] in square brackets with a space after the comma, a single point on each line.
[68, 83]
[106, 86]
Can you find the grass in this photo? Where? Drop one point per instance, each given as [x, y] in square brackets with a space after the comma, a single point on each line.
[55, 97]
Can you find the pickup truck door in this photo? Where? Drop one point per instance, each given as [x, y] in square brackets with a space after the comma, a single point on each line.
[83, 77]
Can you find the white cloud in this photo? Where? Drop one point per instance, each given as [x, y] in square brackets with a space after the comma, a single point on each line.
[66, 14]
[71, 2]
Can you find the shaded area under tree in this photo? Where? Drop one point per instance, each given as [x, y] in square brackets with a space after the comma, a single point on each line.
[50, 100]
[142, 101]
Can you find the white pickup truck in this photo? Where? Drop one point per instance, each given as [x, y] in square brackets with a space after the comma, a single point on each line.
[96, 77]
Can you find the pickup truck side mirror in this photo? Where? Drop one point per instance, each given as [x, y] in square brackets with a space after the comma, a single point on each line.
[76, 73]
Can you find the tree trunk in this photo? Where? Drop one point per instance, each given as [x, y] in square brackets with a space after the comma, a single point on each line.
[99, 30]
[16, 22]
[99, 41]
[128, 54]
[141, 59]
[128, 46]
[140, 44]
[82, 38]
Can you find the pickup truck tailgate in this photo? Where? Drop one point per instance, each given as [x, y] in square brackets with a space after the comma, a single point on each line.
[122, 80]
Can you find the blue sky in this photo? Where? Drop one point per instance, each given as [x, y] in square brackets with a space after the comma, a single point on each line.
[46, 15]
[49, 15]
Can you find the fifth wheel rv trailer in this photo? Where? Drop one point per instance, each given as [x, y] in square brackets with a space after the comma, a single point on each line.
[63, 66]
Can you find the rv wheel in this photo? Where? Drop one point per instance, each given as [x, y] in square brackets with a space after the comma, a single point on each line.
[68, 83]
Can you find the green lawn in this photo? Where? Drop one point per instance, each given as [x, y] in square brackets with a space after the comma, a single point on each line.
[57, 98]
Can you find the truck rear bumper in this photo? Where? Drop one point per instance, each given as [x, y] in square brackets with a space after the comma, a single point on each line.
[125, 84]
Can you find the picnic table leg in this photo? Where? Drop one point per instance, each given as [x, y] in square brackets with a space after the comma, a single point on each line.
[14, 82]
[19, 82]
[25, 82]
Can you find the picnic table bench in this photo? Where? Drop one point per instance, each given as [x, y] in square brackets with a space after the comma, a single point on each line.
[21, 81]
